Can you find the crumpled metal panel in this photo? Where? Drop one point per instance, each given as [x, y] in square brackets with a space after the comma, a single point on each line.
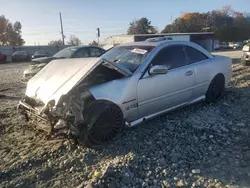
[59, 77]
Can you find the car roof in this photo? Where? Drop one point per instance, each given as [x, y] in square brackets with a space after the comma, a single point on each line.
[79, 47]
[20, 51]
[154, 43]
[169, 42]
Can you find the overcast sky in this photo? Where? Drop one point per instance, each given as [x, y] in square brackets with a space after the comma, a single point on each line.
[40, 18]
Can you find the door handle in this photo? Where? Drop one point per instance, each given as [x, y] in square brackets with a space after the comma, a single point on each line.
[189, 73]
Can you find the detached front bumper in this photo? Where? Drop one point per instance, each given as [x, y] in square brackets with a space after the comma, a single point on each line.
[42, 118]
[29, 73]
[32, 70]
[29, 112]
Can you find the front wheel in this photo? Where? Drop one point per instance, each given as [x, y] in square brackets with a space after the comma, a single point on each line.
[244, 62]
[216, 88]
[105, 123]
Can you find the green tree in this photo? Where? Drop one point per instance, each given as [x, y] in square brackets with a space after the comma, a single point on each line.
[141, 26]
[227, 24]
[10, 34]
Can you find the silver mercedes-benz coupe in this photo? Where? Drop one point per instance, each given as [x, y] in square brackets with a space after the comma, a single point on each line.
[94, 99]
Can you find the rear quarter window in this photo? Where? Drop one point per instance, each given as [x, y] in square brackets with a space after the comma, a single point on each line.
[194, 55]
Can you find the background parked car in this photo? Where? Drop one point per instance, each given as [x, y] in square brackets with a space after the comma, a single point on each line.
[39, 53]
[245, 58]
[235, 45]
[224, 46]
[70, 52]
[2, 58]
[216, 47]
[20, 56]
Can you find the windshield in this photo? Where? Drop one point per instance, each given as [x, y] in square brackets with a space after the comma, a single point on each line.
[39, 52]
[65, 53]
[129, 56]
[19, 53]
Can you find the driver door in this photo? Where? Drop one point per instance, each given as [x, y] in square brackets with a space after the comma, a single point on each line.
[164, 91]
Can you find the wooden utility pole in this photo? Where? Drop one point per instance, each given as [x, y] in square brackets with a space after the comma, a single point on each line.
[61, 28]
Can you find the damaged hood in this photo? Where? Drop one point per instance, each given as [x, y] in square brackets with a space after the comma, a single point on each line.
[60, 76]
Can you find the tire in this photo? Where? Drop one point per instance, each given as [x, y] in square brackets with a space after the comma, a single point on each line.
[105, 123]
[244, 62]
[215, 88]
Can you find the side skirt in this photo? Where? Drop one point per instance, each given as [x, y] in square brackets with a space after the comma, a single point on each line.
[141, 120]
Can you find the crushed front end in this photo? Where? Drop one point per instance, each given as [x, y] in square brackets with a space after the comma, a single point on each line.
[65, 118]
[55, 96]
[58, 99]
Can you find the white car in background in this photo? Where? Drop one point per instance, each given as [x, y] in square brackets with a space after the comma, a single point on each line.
[235, 45]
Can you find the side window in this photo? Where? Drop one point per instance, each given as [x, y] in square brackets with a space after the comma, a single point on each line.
[172, 56]
[194, 55]
[81, 53]
[95, 52]
[23, 53]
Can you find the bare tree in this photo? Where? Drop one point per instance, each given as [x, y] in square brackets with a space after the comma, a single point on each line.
[55, 43]
[93, 43]
[73, 40]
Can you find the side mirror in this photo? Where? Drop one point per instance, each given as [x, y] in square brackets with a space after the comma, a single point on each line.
[158, 69]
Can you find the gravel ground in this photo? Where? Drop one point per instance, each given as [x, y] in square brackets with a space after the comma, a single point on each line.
[197, 146]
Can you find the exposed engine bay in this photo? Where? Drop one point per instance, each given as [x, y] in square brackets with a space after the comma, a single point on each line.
[67, 117]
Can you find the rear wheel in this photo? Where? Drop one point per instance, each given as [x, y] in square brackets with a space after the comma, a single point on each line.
[105, 123]
[216, 88]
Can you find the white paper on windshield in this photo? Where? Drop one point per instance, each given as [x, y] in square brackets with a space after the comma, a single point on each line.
[139, 51]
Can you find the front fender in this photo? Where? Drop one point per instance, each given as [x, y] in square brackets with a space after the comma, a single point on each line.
[122, 92]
